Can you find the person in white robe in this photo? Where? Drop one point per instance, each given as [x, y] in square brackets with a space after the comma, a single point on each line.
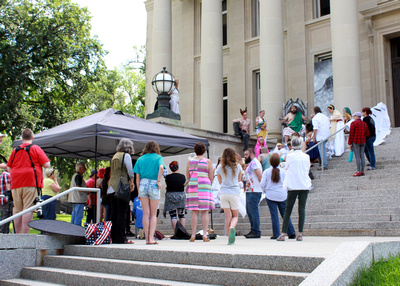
[382, 122]
[336, 143]
[174, 94]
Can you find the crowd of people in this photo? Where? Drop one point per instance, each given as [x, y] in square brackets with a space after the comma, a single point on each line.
[282, 175]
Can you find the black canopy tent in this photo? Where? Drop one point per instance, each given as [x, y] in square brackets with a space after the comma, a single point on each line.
[96, 136]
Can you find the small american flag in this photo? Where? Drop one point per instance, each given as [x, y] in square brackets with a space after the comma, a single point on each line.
[98, 233]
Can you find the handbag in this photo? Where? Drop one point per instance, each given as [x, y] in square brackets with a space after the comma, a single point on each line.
[351, 154]
[186, 184]
[123, 191]
[98, 233]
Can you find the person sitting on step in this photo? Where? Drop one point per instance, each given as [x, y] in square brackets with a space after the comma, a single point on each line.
[241, 126]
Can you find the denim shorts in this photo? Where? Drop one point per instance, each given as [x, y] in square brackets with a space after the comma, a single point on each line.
[149, 189]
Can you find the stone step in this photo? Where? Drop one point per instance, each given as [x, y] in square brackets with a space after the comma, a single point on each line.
[315, 215]
[388, 156]
[323, 232]
[352, 232]
[225, 260]
[384, 198]
[266, 227]
[345, 171]
[359, 211]
[175, 272]
[78, 278]
[355, 183]
[266, 221]
[350, 204]
[317, 195]
[19, 281]
[355, 225]
[344, 164]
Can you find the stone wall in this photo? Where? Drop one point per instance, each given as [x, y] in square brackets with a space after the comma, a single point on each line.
[23, 250]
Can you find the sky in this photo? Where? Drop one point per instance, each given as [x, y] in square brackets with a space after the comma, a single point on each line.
[119, 25]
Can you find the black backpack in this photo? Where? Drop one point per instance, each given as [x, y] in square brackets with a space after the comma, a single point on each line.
[180, 232]
[27, 148]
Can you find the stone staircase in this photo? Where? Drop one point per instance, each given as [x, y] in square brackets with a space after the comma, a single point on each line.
[339, 204]
[124, 265]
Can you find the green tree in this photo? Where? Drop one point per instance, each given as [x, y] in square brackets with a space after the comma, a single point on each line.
[122, 88]
[132, 88]
[47, 63]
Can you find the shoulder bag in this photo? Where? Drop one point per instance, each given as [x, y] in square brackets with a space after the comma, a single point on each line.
[188, 179]
[123, 191]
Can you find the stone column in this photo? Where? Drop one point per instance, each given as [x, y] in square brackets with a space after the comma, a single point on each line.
[211, 66]
[162, 36]
[159, 45]
[272, 64]
[346, 55]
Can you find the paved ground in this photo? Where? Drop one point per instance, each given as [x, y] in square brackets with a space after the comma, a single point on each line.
[315, 246]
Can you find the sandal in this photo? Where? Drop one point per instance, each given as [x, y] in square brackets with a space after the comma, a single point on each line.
[299, 237]
[192, 239]
[155, 242]
[206, 239]
[129, 241]
[281, 238]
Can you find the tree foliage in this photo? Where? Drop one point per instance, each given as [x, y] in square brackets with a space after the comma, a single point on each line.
[47, 63]
[52, 71]
[122, 88]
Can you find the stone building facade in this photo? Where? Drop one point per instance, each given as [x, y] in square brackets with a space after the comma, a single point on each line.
[232, 54]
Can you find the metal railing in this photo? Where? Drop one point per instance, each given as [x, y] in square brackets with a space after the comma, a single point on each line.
[86, 190]
[321, 142]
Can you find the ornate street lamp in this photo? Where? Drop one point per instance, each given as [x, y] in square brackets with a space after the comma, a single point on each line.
[162, 83]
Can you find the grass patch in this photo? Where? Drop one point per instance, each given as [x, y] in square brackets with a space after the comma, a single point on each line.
[383, 272]
[61, 217]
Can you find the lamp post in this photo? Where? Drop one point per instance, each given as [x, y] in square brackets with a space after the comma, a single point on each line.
[162, 83]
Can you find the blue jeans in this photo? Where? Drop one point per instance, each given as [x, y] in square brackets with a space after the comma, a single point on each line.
[252, 203]
[369, 151]
[273, 209]
[77, 214]
[322, 152]
[49, 210]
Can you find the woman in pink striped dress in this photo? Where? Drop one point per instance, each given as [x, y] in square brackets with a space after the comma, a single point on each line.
[199, 196]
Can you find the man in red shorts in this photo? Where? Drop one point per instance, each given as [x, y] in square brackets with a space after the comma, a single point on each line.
[25, 179]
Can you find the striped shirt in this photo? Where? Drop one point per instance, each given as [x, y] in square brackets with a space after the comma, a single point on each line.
[5, 179]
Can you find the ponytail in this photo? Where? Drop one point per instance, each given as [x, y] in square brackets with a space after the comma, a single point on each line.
[274, 160]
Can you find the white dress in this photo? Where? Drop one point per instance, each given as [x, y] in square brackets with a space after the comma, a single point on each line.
[337, 145]
[174, 101]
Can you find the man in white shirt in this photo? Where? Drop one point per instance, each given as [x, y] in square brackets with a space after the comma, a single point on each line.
[297, 183]
[253, 192]
[321, 126]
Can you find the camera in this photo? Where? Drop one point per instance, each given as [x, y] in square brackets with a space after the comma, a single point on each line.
[39, 211]
[9, 196]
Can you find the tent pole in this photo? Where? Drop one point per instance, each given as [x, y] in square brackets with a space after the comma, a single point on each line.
[212, 222]
[97, 212]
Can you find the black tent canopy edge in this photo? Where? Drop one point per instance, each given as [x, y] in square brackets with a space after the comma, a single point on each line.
[96, 136]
